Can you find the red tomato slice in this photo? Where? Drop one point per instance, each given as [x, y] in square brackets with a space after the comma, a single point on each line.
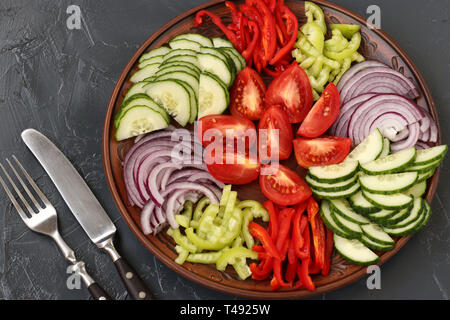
[285, 187]
[247, 95]
[321, 151]
[274, 118]
[227, 126]
[233, 168]
[324, 112]
[292, 92]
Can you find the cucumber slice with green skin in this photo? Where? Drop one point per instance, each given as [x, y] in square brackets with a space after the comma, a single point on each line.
[393, 163]
[375, 245]
[215, 65]
[178, 63]
[361, 205]
[369, 149]
[221, 43]
[175, 68]
[395, 201]
[147, 71]
[386, 148]
[184, 44]
[238, 55]
[190, 59]
[180, 52]
[396, 218]
[355, 251]
[376, 233]
[383, 215]
[213, 96]
[161, 51]
[223, 56]
[325, 213]
[336, 195]
[410, 228]
[204, 41]
[424, 168]
[426, 175]
[414, 214]
[183, 76]
[417, 190]
[173, 97]
[135, 89]
[234, 61]
[427, 214]
[332, 187]
[343, 208]
[349, 227]
[426, 156]
[237, 58]
[334, 173]
[193, 100]
[152, 60]
[139, 120]
[140, 99]
[388, 183]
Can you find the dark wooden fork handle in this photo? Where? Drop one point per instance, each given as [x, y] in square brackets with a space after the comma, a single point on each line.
[97, 292]
[134, 284]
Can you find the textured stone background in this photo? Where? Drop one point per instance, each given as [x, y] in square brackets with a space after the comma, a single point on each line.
[59, 81]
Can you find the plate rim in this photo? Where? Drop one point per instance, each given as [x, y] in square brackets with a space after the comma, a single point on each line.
[299, 294]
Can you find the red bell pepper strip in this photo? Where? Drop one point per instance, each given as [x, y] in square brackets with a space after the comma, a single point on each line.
[260, 233]
[297, 239]
[248, 52]
[273, 219]
[285, 219]
[258, 248]
[237, 25]
[281, 27]
[303, 275]
[292, 256]
[277, 274]
[271, 4]
[285, 248]
[300, 251]
[291, 271]
[263, 270]
[328, 252]
[318, 232]
[231, 36]
[292, 29]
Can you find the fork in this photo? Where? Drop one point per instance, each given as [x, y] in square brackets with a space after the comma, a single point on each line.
[45, 222]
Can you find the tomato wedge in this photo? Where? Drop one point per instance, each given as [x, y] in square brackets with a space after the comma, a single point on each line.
[232, 167]
[247, 95]
[230, 128]
[292, 92]
[322, 115]
[321, 151]
[273, 119]
[285, 187]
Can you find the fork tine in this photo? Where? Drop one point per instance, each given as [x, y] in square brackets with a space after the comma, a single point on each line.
[24, 186]
[13, 200]
[32, 183]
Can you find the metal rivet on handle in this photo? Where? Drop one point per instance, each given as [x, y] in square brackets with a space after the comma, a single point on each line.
[129, 275]
[142, 294]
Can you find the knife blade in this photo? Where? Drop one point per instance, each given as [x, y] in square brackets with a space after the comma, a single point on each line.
[84, 205]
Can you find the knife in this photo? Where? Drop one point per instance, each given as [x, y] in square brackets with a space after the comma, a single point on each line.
[85, 207]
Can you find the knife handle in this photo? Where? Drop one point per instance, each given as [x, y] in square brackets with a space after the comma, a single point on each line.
[134, 284]
[97, 292]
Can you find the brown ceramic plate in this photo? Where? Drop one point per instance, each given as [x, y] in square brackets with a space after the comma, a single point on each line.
[376, 45]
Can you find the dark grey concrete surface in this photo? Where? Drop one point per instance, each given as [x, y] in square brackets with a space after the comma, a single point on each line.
[59, 81]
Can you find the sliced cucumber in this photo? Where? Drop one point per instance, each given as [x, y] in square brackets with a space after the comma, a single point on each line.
[216, 66]
[334, 173]
[331, 187]
[388, 183]
[426, 175]
[395, 201]
[427, 214]
[413, 215]
[354, 251]
[424, 167]
[337, 195]
[325, 213]
[184, 44]
[178, 63]
[139, 120]
[415, 223]
[426, 156]
[194, 101]
[175, 68]
[351, 228]
[382, 215]
[173, 97]
[343, 208]
[180, 52]
[233, 60]
[135, 89]
[204, 41]
[396, 218]
[183, 76]
[139, 99]
[375, 245]
[147, 71]
[393, 163]
[376, 233]
[237, 54]
[221, 43]
[213, 96]
[369, 149]
[152, 60]
[161, 51]
[361, 205]
[386, 148]
[190, 59]
[417, 190]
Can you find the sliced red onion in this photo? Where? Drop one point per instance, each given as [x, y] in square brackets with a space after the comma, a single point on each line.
[174, 207]
[422, 145]
[152, 180]
[206, 176]
[411, 140]
[424, 136]
[182, 174]
[356, 68]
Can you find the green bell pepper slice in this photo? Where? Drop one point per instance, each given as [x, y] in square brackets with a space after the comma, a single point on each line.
[242, 269]
[352, 47]
[206, 221]
[337, 42]
[347, 30]
[185, 218]
[345, 66]
[229, 207]
[314, 34]
[182, 240]
[182, 254]
[315, 14]
[256, 208]
[225, 193]
[205, 258]
[245, 232]
[201, 204]
[230, 256]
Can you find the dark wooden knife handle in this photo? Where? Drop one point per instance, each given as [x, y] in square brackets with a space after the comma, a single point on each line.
[134, 284]
[97, 292]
